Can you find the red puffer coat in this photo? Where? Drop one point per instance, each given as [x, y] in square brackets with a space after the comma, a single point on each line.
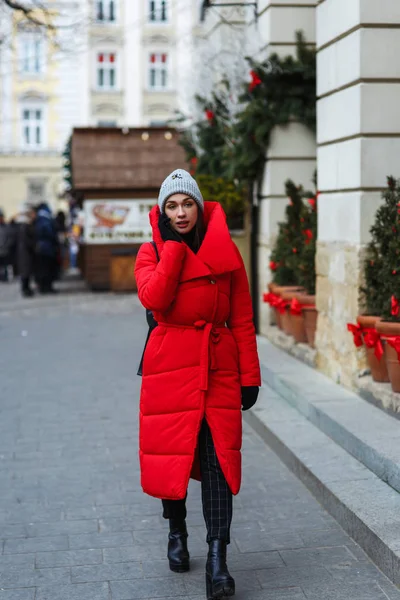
[202, 352]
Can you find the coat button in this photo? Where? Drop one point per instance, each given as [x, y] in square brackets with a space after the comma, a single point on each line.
[212, 281]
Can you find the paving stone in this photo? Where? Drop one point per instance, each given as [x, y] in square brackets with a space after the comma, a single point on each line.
[151, 522]
[323, 557]
[107, 572]
[80, 591]
[13, 577]
[13, 531]
[147, 588]
[100, 540]
[293, 577]
[15, 560]
[18, 594]
[39, 544]
[62, 528]
[68, 558]
[344, 591]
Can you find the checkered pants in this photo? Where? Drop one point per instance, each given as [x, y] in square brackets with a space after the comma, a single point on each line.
[216, 495]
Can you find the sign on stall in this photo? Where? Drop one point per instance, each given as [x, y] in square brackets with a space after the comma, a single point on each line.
[117, 221]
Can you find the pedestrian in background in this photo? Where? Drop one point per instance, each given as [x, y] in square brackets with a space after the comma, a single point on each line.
[5, 241]
[26, 243]
[46, 250]
[200, 369]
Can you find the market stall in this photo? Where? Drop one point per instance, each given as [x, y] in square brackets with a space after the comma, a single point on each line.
[116, 177]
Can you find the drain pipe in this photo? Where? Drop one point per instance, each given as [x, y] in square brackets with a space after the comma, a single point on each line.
[254, 220]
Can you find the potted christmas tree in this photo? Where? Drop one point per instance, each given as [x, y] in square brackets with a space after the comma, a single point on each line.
[386, 232]
[284, 258]
[372, 293]
[304, 303]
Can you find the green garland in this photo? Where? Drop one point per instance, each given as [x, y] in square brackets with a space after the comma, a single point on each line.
[282, 90]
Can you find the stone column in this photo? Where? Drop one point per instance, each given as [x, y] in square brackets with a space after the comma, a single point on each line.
[358, 146]
[292, 152]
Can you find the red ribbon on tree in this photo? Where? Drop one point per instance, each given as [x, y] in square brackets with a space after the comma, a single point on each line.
[372, 339]
[395, 343]
[395, 307]
[210, 115]
[356, 330]
[309, 236]
[312, 202]
[295, 307]
[255, 81]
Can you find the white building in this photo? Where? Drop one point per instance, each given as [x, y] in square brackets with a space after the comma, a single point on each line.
[116, 63]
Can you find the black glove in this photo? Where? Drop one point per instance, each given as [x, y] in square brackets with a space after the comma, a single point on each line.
[168, 234]
[249, 396]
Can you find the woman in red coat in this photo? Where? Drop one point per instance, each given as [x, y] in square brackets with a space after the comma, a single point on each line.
[200, 368]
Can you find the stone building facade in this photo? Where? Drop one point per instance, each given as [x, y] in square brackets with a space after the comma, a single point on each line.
[118, 63]
[357, 146]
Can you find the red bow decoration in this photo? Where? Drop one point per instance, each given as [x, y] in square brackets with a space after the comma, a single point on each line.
[269, 298]
[356, 330]
[395, 343]
[255, 81]
[295, 308]
[210, 115]
[372, 339]
[273, 265]
[395, 307]
[281, 305]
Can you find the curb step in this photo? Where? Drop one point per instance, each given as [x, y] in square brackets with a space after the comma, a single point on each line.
[366, 507]
[345, 450]
[365, 431]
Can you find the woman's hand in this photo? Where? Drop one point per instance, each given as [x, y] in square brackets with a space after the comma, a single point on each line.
[249, 396]
[168, 234]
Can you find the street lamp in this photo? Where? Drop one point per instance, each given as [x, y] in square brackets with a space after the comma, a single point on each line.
[208, 4]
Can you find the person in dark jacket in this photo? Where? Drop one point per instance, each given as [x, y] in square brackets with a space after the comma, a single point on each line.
[47, 249]
[26, 248]
[4, 247]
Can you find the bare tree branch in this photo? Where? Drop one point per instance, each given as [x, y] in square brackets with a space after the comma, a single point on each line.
[31, 13]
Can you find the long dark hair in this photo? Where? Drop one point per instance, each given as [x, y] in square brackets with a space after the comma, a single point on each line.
[199, 232]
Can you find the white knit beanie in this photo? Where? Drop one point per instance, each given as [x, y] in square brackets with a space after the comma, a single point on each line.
[180, 182]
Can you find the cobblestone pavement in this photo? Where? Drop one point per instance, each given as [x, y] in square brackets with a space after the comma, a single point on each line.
[74, 524]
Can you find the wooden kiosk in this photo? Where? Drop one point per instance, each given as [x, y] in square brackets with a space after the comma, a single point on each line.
[117, 174]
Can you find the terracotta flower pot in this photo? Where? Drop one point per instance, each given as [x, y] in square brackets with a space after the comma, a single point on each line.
[296, 324]
[272, 290]
[390, 334]
[286, 292]
[310, 316]
[377, 365]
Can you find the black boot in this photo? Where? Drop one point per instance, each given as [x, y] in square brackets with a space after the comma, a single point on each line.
[219, 583]
[178, 554]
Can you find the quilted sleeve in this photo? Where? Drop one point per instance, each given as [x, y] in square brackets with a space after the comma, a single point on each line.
[242, 326]
[157, 281]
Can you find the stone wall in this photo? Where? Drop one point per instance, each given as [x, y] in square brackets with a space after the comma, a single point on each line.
[358, 146]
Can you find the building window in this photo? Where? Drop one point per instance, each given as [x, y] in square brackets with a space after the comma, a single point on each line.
[158, 12]
[32, 127]
[32, 53]
[158, 72]
[106, 71]
[105, 11]
[36, 192]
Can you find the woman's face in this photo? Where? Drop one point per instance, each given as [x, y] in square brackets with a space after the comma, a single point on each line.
[183, 212]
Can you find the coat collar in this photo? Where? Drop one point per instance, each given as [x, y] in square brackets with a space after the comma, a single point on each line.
[217, 254]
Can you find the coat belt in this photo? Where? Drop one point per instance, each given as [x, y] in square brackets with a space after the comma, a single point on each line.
[211, 336]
